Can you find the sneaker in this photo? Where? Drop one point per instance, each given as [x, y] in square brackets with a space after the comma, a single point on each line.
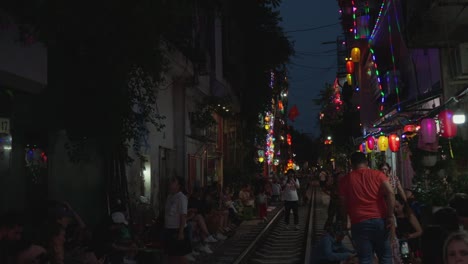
[210, 239]
[190, 257]
[206, 249]
[297, 227]
[220, 236]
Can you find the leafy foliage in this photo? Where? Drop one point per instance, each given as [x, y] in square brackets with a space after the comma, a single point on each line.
[262, 48]
[435, 185]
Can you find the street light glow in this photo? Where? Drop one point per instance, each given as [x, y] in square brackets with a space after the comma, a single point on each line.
[458, 117]
[329, 138]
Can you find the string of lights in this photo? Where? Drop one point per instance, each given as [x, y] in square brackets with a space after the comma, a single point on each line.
[392, 51]
[377, 22]
[377, 73]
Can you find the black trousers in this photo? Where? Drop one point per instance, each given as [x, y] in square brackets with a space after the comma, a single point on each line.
[288, 205]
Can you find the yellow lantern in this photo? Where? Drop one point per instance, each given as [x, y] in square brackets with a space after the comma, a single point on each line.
[261, 159]
[382, 143]
[368, 150]
[267, 127]
[349, 79]
[356, 54]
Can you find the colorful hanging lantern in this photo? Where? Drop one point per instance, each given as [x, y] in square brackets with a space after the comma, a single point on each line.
[368, 150]
[448, 129]
[370, 142]
[280, 106]
[356, 54]
[350, 67]
[394, 142]
[363, 148]
[382, 143]
[409, 128]
[288, 139]
[349, 79]
[428, 131]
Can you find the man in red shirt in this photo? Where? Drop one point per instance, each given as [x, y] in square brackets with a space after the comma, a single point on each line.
[367, 197]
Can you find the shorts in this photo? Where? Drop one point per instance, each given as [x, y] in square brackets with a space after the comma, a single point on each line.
[175, 247]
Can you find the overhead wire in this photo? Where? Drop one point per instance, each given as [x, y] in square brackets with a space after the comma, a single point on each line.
[311, 29]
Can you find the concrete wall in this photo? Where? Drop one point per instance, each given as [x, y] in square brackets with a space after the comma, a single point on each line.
[28, 61]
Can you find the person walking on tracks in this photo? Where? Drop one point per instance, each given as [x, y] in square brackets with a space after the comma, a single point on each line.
[291, 199]
[367, 197]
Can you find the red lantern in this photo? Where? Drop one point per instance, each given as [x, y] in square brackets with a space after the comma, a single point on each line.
[288, 139]
[394, 142]
[350, 67]
[370, 141]
[448, 129]
[409, 128]
[361, 149]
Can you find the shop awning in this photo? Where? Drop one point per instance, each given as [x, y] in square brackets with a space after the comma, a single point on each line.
[412, 112]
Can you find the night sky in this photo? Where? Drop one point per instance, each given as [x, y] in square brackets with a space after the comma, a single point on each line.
[314, 63]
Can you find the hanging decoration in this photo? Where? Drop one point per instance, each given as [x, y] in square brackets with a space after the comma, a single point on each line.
[270, 145]
[350, 67]
[356, 54]
[377, 74]
[370, 142]
[36, 160]
[293, 113]
[392, 52]
[428, 131]
[363, 22]
[368, 150]
[354, 19]
[281, 106]
[288, 139]
[409, 128]
[377, 22]
[363, 147]
[394, 142]
[448, 129]
[428, 139]
[382, 143]
[349, 79]
[290, 165]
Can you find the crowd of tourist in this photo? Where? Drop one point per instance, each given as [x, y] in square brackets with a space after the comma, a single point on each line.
[387, 223]
[192, 220]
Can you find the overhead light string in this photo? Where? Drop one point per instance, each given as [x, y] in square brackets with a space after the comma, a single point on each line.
[392, 51]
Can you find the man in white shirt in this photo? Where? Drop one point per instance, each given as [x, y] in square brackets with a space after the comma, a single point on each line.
[291, 199]
[175, 222]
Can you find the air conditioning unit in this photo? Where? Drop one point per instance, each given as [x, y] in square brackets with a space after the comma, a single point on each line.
[459, 61]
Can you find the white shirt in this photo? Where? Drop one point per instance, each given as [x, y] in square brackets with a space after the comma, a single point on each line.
[290, 191]
[176, 205]
[276, 189]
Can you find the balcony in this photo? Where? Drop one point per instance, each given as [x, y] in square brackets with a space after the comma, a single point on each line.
[435, 23]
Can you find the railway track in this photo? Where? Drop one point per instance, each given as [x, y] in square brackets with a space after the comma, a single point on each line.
[271, 242]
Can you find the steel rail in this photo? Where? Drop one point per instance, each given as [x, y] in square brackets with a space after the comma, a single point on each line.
[311, 229]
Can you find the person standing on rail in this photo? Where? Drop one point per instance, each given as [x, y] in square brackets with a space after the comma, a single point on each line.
[291, 199]
[367, 196]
